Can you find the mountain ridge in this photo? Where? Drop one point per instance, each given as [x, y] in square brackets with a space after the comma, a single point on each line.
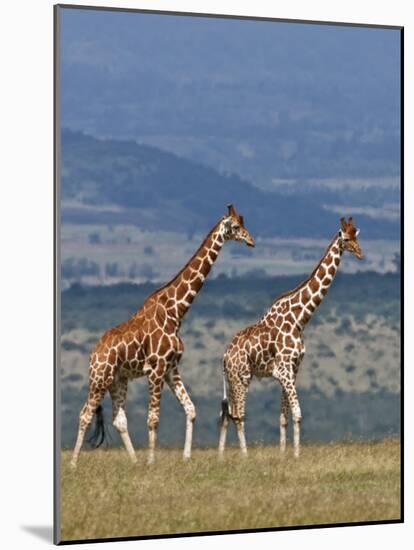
[155, 189]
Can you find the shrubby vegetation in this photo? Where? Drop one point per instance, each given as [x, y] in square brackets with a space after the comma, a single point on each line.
[332, 413]
[347, 415]
[241, 297]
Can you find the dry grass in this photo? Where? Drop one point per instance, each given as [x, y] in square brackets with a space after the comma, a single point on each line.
[344, 482]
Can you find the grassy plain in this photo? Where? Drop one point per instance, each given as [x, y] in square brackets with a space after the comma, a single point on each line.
[330, 483]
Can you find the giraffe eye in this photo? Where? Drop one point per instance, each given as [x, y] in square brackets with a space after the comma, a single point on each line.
[236, 227]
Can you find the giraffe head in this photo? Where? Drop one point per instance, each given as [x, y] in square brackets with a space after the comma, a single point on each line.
[233, 227]
[348, 238]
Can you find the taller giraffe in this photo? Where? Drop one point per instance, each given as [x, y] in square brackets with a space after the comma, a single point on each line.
[274, 345]
[149, 345]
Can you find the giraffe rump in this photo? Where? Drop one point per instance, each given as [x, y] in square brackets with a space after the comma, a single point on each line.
[225, 411]
[98, 436]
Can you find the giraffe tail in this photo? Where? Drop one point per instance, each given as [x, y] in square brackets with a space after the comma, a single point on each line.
[225, 412]
[98, 436]
[225, 408]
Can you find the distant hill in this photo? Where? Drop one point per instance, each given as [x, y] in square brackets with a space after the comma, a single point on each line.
[118, 182]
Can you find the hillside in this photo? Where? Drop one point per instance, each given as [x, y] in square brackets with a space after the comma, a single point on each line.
[349, 383]
[123, 182]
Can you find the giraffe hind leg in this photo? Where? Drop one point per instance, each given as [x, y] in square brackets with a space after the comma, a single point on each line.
[118, 392]
[224, 424]
[86, 415]
[238, 387]
[155, 385]
[177, 386]
[91, 407]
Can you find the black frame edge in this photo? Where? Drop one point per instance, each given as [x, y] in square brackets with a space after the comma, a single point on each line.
[402, 281]
[56, 277]
[227, 16]
[233, 532]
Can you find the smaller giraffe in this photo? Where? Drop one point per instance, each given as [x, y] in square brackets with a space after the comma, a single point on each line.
[273, 347]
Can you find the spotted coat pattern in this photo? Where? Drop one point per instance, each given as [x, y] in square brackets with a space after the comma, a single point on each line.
[274, 347]
[149, 344]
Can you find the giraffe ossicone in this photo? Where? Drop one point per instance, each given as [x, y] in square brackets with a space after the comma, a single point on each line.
[149, 345]
[273, 347]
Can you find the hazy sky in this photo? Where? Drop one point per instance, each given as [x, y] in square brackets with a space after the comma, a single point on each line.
[266, 99]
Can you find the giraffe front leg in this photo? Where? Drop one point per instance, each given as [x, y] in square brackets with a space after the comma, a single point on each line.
[290, 389]
[155, 383]
[118, 392]
[177, 386]
[285, 373]
[297, 419]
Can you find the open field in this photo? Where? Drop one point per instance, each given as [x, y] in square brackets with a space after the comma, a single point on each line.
[334, 483]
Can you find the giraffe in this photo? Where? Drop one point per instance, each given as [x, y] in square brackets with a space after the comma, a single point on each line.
[273, 347]
[149, 345]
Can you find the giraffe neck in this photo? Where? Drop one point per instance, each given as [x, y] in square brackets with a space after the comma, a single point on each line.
[180, 292]
[305, 299]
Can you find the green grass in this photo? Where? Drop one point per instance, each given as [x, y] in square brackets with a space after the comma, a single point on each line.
[343, 482]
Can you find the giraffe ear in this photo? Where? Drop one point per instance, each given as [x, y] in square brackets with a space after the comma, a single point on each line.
[357, 232]
[343, 224]
[241, 219]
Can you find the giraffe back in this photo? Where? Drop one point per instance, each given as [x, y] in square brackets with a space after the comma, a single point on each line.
[273, 338]
[135, 346]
